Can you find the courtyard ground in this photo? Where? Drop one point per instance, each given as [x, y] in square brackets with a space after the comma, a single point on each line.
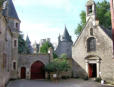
[61, 83]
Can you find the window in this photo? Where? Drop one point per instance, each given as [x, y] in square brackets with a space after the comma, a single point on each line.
[0, 31]
[91, 44]
[17, 25]
[91, 31]
[14, 65]
[4, 61]
[15, 43]
[89, 9]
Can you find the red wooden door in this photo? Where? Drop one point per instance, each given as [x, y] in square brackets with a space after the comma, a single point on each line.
[37, 70]
[23, 73]
[90, 70]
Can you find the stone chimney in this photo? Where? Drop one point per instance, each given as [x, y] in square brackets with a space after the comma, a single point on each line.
[50, 51]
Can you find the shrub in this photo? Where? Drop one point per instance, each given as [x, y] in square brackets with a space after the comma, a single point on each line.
[98, 79]
[1, 2]
[86, 78]
[58, 66]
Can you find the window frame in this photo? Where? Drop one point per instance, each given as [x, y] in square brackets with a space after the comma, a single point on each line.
[91, 44]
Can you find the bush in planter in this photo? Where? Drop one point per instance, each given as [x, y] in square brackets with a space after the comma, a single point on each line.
[86, 78]
[98, 79]
[57, 66]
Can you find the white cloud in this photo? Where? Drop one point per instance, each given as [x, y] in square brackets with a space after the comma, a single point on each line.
[64, 4]
[40, 31]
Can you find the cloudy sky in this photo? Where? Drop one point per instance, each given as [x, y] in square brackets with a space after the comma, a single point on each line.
[47, 18]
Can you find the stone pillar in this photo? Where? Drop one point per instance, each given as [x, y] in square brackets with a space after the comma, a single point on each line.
[98, 68]
[50, 51]
[86, 66]
[27, 73]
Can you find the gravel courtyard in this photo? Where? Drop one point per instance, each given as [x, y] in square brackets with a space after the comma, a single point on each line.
[62, 83]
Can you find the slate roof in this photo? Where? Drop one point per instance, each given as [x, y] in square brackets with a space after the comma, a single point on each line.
[11, 10]
[107, 31]
[66, 35]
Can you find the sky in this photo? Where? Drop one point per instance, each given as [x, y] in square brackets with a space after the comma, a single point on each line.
[42, 19]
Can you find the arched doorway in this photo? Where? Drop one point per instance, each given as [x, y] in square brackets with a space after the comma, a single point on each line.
[37, 70]
[23, 73]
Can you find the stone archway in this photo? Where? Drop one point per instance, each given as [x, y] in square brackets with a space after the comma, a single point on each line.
[37, 70]
[23, 73]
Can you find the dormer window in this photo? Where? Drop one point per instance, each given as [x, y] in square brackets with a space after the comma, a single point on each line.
[15, 43]
[89, 9]
[17, 25]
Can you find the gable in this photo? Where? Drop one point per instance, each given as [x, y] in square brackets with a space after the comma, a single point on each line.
[85, 33]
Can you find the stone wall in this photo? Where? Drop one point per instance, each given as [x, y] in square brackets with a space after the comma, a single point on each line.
[27, 60]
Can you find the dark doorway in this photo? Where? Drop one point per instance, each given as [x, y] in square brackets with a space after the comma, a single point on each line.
[92, 70]
[37, 70]
[23, 73]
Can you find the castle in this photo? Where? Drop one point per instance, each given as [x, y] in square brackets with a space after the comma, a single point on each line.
[91, 54]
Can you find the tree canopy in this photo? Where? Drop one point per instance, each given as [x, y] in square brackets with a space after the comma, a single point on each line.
[102, 13]
[1, 2]
[58, 65]
[21, 44]
[44, 48]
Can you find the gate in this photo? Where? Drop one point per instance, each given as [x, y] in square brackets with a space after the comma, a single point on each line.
[37, 70]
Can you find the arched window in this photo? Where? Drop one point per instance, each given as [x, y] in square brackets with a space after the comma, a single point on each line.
[91, 31]
[89, 8]
[91, 44]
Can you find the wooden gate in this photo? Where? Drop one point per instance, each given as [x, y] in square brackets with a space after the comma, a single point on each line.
[37, 70]
[23, 73]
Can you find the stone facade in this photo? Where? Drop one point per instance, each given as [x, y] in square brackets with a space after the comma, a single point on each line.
[27, 60]
[101, 56]
[9, 28]
[64, 45]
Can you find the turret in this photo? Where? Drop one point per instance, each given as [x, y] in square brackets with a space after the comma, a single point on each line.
[66, 36]
[13, 21]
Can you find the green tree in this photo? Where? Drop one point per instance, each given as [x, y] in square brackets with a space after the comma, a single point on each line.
[58, 66]
[103, 15]
[1, 2]
[44, 48]
[21, 44]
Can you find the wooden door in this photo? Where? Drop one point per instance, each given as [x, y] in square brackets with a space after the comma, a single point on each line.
[90, 70]
[37, 70]
[23, 73]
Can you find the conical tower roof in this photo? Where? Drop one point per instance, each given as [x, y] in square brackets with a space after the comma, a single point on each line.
[28, 40]
[11, 10]
[66, 35]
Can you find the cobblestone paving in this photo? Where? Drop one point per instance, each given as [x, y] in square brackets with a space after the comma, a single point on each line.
[62, 83]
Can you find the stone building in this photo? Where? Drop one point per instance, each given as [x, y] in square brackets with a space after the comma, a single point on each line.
[93, 49]
[9, 31]
[64, 44]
